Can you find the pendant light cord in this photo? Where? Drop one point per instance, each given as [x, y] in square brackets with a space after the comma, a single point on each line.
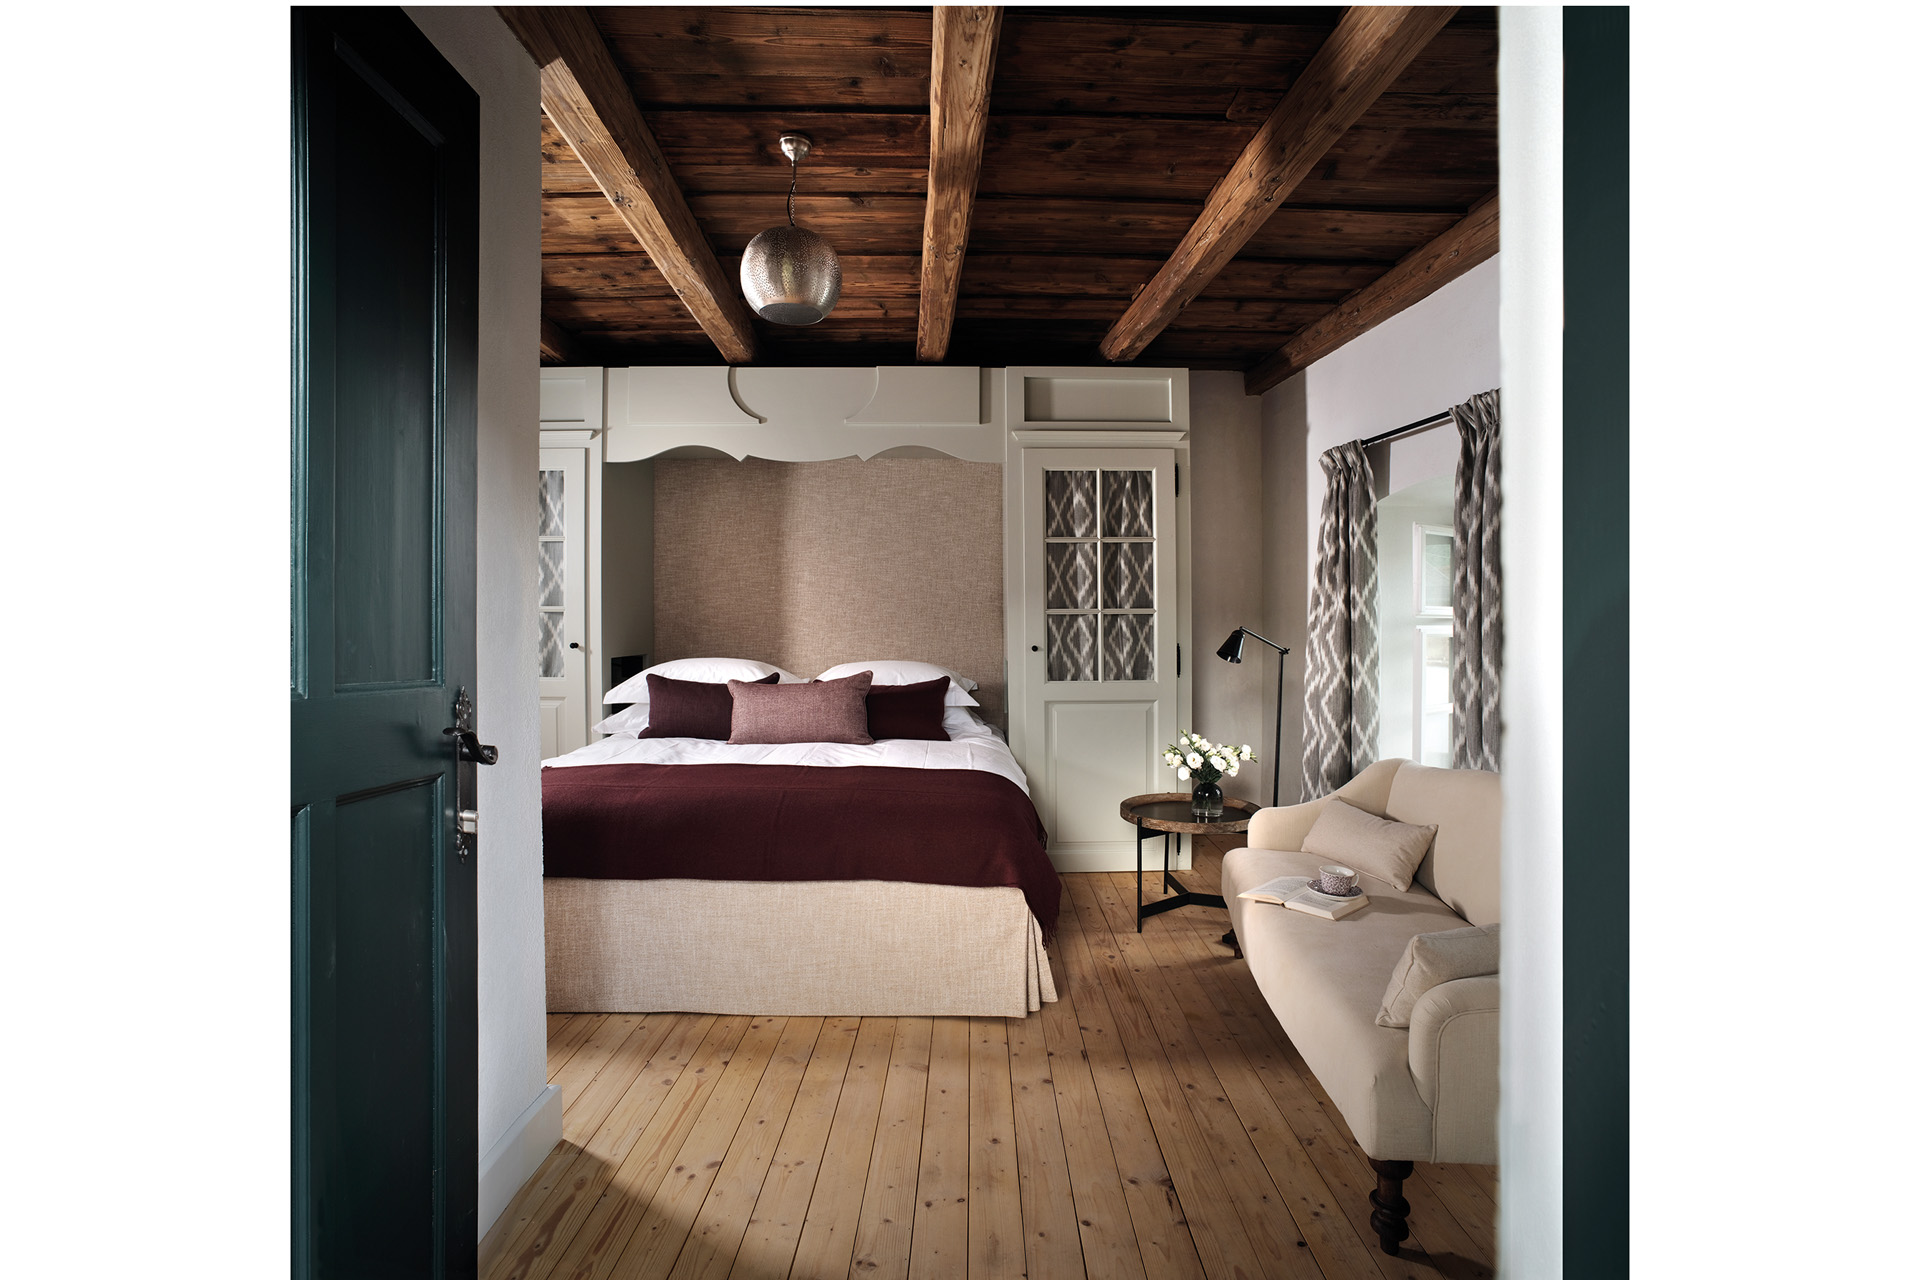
[794, 187]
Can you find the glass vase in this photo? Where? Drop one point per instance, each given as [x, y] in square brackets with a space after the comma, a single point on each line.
[1208, 801]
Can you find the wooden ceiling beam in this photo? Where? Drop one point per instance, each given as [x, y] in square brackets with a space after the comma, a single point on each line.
[1456, 251]
[964, 39]
[1364, 55]
[557, 345]
[587, 98]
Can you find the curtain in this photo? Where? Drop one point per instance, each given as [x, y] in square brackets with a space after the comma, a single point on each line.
[1343, 644]
[1476, 585]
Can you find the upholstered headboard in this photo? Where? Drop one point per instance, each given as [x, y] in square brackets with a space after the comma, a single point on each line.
[809, 564]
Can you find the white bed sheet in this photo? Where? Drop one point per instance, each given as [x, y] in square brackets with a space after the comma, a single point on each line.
[973, 745]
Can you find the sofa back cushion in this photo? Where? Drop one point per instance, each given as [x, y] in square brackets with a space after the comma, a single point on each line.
[1463, 867]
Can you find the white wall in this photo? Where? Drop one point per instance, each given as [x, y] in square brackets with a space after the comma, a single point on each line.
[1230, 703]
[1531, 963]
[512, 973]
[1286, 535]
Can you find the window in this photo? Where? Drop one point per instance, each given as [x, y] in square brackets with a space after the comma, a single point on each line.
[1433, 645]
[553, 573]
[1101, 585]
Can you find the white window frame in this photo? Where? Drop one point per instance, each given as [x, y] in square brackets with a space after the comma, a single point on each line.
[1420, 606]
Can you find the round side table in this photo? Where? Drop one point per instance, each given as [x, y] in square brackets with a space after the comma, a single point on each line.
[1169, 814]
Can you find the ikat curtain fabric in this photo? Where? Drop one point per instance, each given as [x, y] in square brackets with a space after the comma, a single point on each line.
[1343, 647]
[1476, 585]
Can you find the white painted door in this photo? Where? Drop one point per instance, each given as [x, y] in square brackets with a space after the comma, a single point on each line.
[562, 621]
[1100, 622]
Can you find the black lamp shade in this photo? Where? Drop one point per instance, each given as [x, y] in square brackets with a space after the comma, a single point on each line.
[1235, 642]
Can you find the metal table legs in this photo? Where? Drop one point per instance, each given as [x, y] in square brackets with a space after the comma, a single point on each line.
[1180, 898]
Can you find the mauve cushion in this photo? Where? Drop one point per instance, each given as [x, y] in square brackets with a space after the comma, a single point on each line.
[690, 708]
[818, 711]
[908, 710]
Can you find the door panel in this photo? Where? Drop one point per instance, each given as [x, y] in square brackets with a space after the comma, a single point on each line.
[562, 621]
[1093, 757]
[386, 275]
[1100, 620]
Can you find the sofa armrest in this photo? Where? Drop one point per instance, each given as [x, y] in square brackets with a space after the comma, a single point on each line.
[1453, 1050]
[1285, 826]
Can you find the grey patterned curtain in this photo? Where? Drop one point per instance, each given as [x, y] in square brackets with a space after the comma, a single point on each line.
[1476, 585]
[1343, 639]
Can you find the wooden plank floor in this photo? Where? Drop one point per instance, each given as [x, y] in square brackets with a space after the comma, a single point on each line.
[1154, 1124]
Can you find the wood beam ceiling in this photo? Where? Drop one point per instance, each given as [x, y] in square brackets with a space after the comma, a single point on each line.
[585, 95]
[1363, 56]
[964, 40]
[1456, 251]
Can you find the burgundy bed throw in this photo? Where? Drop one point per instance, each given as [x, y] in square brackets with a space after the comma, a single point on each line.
[797, 822]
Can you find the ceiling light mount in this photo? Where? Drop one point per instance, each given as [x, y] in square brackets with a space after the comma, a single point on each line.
[788, 274]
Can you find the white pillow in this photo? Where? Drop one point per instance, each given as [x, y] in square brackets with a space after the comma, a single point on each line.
[630, 720]
[1434, 958]
[703, 670]
[907, 673]
[1377, 846]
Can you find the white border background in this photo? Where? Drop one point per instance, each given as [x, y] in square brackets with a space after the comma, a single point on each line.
[143, 919]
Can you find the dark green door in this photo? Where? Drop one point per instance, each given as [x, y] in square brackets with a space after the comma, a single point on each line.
[386, 198]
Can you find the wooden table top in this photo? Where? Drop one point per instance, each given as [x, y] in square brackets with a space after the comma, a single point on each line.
[1173, 811]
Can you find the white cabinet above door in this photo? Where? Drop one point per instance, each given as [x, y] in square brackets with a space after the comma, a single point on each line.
[1095, 631]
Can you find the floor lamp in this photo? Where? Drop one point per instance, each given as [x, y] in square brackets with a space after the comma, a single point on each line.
[1231, 652]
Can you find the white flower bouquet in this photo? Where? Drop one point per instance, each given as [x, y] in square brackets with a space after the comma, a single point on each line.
[1193, 757]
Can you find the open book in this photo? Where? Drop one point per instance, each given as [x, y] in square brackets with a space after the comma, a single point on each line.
[1298, 893]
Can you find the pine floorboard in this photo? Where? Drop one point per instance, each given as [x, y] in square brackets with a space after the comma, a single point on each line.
[1154, 1124]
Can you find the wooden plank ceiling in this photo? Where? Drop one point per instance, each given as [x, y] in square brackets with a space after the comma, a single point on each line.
[1108, 129]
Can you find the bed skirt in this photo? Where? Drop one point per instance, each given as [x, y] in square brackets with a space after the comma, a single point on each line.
[849, 948]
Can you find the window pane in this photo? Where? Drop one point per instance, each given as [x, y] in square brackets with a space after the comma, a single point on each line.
[1126, 570]
[1126, 504]
[553, 648]
[1436, 697]
[1070, 653]
[1070, 504]
[1436, 571]
[1070, 575]
[1126, 646]
[553, 489]
[553, 574]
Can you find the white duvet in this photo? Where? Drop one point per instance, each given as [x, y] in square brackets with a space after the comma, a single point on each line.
[973, 746]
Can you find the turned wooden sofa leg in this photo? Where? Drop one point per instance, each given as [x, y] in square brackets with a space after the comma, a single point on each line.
[1389, 1219]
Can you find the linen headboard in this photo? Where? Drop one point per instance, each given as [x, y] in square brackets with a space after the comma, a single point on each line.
[809, 564]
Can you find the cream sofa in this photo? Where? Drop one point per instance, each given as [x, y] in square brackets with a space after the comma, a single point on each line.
[1426, 1092]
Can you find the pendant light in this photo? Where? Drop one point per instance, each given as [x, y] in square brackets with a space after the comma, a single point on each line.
[789, 274]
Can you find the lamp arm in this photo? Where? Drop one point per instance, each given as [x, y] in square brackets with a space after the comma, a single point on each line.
[1263, 640]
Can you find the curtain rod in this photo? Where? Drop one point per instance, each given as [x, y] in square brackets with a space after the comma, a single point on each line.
[1445, 415]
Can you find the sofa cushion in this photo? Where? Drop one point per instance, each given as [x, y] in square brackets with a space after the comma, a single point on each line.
[1324, 979]
[1434, 958]
[1463, 867]
[1380, 846]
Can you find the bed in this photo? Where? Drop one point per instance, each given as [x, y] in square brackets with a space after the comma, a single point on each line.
[898, 878]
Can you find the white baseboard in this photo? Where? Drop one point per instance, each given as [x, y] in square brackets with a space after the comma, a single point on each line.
[517, 1156]
[1114, 855]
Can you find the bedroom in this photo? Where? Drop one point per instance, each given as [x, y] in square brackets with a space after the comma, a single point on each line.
[1231, 483]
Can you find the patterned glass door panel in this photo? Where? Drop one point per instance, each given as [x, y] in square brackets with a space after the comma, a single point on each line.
[1101, 594]
[553, 573]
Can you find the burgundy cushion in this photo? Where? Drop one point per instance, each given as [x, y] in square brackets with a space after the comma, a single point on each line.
[690, 708]
[909, 710]
[817, 711]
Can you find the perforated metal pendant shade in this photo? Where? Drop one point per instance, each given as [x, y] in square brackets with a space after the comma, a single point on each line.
[788, 274]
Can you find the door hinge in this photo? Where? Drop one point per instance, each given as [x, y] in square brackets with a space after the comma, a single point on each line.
[1177, 667]
[1176, 479]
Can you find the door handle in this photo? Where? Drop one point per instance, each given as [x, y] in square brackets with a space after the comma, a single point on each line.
[468, 751]
[467, 746]
[574, 645]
